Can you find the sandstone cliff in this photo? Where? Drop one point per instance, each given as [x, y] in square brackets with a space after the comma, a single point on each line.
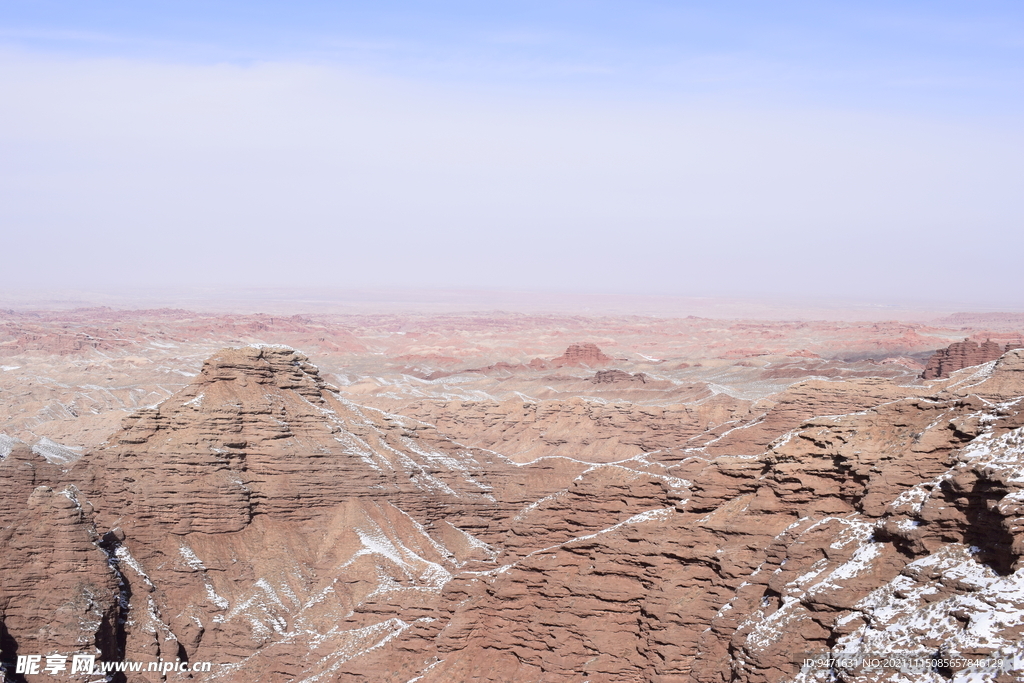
[965, 354]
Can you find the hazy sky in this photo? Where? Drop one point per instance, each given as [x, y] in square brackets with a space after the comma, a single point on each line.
[864, 150]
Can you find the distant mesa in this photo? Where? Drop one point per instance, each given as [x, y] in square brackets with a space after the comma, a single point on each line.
[581, 354]
[617, 377]
[960, 355]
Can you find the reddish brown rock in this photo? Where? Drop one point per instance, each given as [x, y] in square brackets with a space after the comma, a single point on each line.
[587, 430]
[256, 518]
[57, 591]
[585, 354]
[965, 354]
[21, 471]
[801, 401]
[769, 557]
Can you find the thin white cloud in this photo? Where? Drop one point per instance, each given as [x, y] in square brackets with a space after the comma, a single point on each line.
[124, 172]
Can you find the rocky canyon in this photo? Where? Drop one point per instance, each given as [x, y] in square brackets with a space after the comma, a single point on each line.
[510, 497]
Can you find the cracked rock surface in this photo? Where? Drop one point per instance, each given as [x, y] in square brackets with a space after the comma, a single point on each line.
[260, 519]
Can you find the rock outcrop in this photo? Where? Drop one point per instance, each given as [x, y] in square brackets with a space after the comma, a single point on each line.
[584, 354]
[250, 519]
[57, 592]
[894, 531]
[617, 377]
[587, 430]
[257, 520]
[965, 354]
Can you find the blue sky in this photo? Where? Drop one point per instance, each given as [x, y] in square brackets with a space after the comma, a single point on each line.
[733, 148]
[963, 56]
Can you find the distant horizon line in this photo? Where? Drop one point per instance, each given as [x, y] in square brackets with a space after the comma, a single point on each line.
[248, 300]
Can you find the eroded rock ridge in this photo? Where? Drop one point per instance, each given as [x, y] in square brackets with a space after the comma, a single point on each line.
[960, 355]
[258, 520]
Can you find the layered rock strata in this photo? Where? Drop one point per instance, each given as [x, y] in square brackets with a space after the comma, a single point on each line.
[896, 529]
[585, 429]
[965, 354]
[251, 519]
[257, 520]
[49, 540]
[584, 354]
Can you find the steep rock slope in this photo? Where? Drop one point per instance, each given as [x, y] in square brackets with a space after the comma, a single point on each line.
[254, 518]
[48, 540]
[893, 530]
[965, 354]
[257, 520]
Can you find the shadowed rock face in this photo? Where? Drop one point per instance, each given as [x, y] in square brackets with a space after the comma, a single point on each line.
[256, 519]
[46, 536]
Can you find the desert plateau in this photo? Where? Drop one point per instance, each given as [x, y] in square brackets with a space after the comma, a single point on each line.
[511, 497]
[532, 341]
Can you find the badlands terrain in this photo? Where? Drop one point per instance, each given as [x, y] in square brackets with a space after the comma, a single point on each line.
[511, 497]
